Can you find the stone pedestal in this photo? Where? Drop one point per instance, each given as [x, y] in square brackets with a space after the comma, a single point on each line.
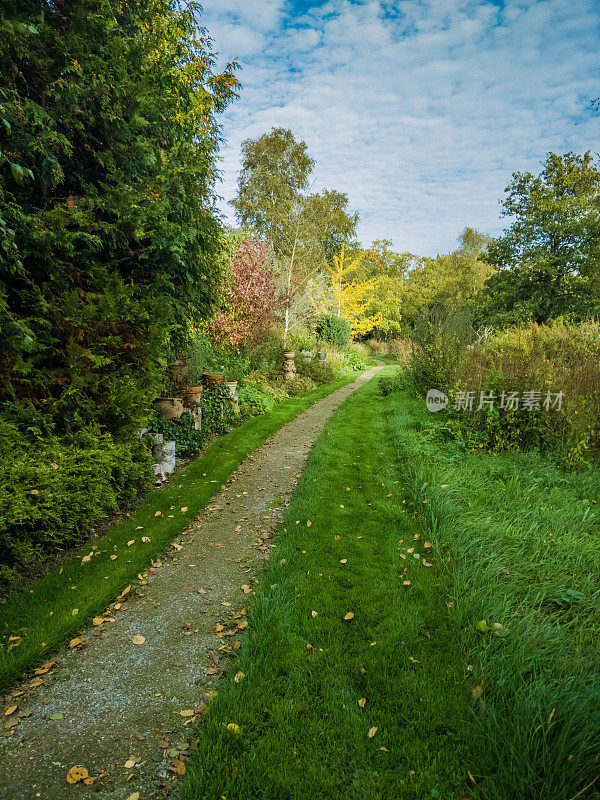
[289, 366]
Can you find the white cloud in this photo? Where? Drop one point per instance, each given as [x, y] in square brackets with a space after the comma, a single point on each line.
[419, 110]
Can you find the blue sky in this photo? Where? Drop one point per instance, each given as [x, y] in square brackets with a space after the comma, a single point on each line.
[420, 110]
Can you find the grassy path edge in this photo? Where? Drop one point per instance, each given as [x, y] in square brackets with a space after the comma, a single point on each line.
[51, 610]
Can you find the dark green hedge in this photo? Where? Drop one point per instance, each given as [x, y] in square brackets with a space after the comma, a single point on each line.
[53, 490]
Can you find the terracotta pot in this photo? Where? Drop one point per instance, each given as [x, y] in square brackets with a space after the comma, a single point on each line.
[177, 370]
[191, 395]
[289, 355]
[212, 379]
[232, 386]
[169, 407]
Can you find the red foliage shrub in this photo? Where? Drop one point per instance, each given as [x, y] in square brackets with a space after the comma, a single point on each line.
[251, 297]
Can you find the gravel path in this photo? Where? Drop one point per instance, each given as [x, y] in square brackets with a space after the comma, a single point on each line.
[115, 707]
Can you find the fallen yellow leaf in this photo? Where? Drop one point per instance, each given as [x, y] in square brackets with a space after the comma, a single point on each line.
[372, 732]
[76, 774]
[349, 615]
[187, 713]
[245, 588]
[97, 620]
[233, 728]
[158, 514]
[137, 639]
[362, 702]
[74, 642]
[238, 676]
[10, 710]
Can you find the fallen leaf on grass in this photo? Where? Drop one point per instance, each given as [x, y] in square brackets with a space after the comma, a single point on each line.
[85, 559]
[313, 613]
[137, 639]
[362, 702]
[176, 546]
[349, 615]
[97, 620]
[471, 777]
[238, 676]
[343, 560]
[414, 660]
[74, 612]
[245, 588]
[372, 732]
[426, 563]
[113, 558]
[427, 544]
[551, 715]
[188, 712]
[158, 514]
[233, 728]
[130, 542]
[478, 691]
[10, 710]
[45, 667]
[74, 642]
[406, 583]
[76, 774]
[184, 509]
[145, 539]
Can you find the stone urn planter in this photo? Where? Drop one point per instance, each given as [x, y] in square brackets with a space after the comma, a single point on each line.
[289, 366]
[191, 395]
[212, 379]
[232, 386]
[322, 356]
[169, 407]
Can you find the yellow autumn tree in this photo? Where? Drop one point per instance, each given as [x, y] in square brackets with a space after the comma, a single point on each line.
[345, 297]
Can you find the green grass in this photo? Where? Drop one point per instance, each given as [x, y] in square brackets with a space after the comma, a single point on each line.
[520, 544]
[42, 613]
[302, 733]
[515, 543]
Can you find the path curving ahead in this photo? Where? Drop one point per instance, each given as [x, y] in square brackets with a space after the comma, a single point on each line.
[115, 702]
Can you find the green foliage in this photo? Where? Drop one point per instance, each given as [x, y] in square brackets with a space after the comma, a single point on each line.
[300, 384]
[180, 430]
[268, 354]
[388, 384]
[318, 371]
[354, 361]
[518, 539]
[333, 329]
[254, 401]
[218, 414]
[546, 263]
[108, 112]
[552, 358]
[54, 489]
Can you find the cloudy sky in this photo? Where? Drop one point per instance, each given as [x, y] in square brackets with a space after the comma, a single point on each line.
[419, 110]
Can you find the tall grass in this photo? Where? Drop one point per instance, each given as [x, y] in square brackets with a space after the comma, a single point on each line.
[519, 540]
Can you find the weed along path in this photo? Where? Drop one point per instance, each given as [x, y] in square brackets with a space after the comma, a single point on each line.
[115, 714]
